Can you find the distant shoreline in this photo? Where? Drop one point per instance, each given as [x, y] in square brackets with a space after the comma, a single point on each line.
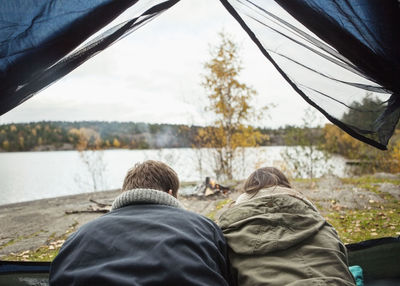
[64, 135]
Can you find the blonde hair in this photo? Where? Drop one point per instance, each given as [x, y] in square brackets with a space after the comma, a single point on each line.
[264, 178]
[153, 175]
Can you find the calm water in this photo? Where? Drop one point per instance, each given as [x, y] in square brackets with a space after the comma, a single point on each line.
[26, 176]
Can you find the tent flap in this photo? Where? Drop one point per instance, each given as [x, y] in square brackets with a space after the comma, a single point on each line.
[42, 41]
[342, 57]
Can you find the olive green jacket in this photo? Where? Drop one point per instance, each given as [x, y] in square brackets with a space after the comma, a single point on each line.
[283, 240]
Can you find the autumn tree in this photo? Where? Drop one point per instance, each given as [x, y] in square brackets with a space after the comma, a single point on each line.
[368, 158]
[230, 105]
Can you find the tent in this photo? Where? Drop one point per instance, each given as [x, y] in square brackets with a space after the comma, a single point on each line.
[333, 53]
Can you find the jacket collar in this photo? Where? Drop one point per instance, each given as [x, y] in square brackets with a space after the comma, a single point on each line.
[144, 196]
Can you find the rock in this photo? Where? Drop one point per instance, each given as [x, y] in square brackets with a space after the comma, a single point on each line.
[391, 189]
[387, 176]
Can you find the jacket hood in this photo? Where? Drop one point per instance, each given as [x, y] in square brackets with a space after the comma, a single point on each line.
[268, 224]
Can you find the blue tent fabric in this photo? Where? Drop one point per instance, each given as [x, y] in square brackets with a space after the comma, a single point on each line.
[39, 40]
[35, 35]
[367, 33]
[339, 55]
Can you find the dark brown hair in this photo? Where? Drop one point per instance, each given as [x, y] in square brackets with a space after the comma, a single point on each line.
[153, 175]
[264, 178]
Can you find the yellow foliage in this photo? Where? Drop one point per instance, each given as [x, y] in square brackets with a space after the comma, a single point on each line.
[116, 143]
[338, 141]
[88, 138]
[6, 144]
[372, 159]
[396, 158]
[230, 103]
[74, 131]
[21, 141]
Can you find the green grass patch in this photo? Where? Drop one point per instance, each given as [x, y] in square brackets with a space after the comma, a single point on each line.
[380, 219]
[219, 205]
[369, 180]
[358, 225]
[188, 184]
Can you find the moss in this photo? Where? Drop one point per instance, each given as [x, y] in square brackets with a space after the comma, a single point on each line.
[45, 252]
[10, 242]
[19, 238]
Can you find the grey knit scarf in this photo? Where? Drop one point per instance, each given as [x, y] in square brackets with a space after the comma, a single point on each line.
[142, 196]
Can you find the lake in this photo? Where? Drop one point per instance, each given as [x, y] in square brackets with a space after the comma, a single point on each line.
[26, 176]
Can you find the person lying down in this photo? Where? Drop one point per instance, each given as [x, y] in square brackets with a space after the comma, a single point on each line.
[278, 237]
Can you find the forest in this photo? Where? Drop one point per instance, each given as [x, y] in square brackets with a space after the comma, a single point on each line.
[62, 135]
[100, 135]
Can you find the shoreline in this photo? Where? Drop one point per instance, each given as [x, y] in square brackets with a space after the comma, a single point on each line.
[360, 208]
[39, 201]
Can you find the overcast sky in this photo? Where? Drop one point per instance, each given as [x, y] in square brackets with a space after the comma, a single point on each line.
[154, 74]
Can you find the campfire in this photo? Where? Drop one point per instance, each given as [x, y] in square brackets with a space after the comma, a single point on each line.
[210, 187]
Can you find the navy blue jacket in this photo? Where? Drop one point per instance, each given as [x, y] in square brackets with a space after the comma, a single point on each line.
[144, 244]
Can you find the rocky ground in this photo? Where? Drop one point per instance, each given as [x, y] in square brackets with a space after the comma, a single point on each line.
[360, 208]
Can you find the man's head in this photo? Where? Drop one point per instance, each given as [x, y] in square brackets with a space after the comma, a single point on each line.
[152, 175]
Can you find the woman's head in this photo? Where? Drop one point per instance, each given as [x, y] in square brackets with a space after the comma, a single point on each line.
[264, 178]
